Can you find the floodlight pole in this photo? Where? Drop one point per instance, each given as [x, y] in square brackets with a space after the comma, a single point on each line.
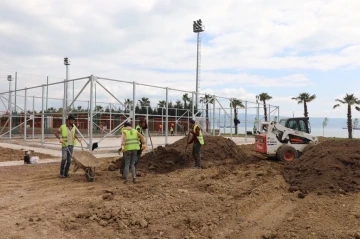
[197, 28]
[67, 90]
[197, 69]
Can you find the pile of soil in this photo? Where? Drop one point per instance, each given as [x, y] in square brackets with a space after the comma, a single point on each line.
[333, 166]
[7, 154]
[216, 150]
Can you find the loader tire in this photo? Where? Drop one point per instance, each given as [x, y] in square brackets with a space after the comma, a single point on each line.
[287, 154]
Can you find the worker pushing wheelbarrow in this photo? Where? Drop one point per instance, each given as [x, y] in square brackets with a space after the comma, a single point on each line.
[85, 160]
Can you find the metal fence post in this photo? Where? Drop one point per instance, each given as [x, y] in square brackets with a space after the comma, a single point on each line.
[167, 115]
[231, 121]
[25, 112]
[91, 107]
[245, 121]
[193, 107]
[15, 91]
[147, 121]
[42, 114]
[88, 126]
[10, 110]
[219, 120]
[258, 116]
[214, 101]
[64, 107]
[33, 121]
[176, 121]
[110, 117]
[133, 108]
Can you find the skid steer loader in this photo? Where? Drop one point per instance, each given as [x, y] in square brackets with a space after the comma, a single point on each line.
[285, 139]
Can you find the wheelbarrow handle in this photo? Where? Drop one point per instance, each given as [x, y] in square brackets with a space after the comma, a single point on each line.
[82, 147]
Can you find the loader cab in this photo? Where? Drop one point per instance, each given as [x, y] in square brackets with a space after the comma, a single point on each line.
[299, 123]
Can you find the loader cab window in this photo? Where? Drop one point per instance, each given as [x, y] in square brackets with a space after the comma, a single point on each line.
[292, 124]
[303, 127]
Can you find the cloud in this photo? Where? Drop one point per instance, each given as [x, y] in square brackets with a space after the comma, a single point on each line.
[152, 42]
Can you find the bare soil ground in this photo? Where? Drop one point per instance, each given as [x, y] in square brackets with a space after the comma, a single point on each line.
[229, 198]
[18, 154]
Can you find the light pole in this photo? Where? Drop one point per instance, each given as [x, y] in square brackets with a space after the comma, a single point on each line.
[198, 28]
[9, 78]
[293, 113]
[67, 89]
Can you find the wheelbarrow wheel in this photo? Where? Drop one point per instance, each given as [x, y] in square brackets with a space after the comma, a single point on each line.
[90, 174]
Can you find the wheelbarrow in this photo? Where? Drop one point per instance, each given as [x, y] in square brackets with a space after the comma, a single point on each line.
[86, 161]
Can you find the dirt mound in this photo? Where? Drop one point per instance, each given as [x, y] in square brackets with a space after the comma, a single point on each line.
[7, 154]
[216, 150]
[332, 166]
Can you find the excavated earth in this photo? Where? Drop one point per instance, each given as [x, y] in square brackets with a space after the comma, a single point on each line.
[215, 151]
[331, 167]
[237, 194]
[7, 154]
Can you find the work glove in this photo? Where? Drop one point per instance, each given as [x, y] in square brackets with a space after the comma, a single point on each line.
[143, 147]
[123, 148]
[61, 141]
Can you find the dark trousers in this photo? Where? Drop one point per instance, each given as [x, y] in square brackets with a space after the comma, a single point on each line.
[66, 160]
[130, 159]
[139, 152]
[196, 153]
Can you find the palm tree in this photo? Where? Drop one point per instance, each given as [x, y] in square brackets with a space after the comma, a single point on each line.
[186, 99]
[207, 99]
[162, 104]
[128, 104]
[144, 102]
[234, 103]
[264, 97]
[304, 98]
[349, 100]
[99, 108]
[178, 104]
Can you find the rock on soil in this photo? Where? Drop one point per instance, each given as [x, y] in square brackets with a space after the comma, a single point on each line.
[333, 166]
[216, 149]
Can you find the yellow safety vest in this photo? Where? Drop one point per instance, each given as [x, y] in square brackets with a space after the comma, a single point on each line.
[200, 137]
[132, 140]
[64, 135]
[141, 131]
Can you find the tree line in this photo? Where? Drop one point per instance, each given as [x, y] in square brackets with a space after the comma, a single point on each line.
[143, 107]
[350, 101]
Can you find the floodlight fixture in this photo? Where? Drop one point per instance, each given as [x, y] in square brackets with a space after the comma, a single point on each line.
[197, 26]
[66, 61]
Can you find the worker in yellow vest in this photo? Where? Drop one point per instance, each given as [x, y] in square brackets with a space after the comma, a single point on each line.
[130, 146]
[197, 140]
[66, 135]
[141, 127]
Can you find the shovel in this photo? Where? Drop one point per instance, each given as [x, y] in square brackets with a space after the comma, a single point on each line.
[184, 154]
[151, 142]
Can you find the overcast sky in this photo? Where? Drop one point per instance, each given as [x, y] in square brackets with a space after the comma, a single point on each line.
[282, 47]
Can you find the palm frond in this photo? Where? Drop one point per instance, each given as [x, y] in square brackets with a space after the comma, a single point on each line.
[335, 106]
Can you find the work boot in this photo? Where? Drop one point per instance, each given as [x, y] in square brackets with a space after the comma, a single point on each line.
[125, 181]
[134, 180]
